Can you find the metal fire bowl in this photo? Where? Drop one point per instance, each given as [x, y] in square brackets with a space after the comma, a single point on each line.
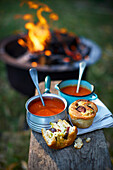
[21, 61]
[17, 68]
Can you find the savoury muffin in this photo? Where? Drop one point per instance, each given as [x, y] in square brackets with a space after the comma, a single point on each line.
[60, 135]
[82, 113]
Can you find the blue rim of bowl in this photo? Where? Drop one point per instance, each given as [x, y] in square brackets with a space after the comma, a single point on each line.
[74, 95]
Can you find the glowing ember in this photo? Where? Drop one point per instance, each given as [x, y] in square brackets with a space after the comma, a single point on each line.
[63, 30]
[22, 42]
[39, 33]
[48, 52]
[66, 59]
[73, 47]
[34, 64]
[78, 57]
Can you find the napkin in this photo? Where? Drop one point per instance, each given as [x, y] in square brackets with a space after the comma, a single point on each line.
[103, 118]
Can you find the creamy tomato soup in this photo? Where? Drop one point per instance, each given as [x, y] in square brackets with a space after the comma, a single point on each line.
[71, 90]
[52, 107]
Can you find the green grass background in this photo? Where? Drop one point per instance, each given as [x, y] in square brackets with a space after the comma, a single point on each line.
[91, 19]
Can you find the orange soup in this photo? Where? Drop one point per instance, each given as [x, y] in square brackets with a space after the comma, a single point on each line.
[52, 107]
[71, 90]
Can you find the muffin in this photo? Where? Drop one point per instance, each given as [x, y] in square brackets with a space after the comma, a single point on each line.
[82, 113]
[60, 135]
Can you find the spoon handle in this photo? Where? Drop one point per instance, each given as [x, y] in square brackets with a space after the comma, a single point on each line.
[47, 84]
[81, 70]
[34, 76]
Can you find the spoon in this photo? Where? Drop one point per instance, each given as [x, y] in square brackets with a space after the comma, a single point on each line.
[82, 66]
[34, 76]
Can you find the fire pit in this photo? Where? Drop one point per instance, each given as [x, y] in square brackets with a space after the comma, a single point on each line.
[55, 53]
[59, 65]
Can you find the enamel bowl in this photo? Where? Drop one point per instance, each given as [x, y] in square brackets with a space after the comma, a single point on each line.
[71, 98]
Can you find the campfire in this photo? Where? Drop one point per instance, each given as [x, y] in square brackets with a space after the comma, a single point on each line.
[52, 52]
[48, 47]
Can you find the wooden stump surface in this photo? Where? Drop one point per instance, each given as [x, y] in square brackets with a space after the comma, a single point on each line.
[92, 156]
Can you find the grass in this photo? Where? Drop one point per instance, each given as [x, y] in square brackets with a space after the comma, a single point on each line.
[91, 19]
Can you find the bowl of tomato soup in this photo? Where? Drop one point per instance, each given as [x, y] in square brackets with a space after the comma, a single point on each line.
[67, 89]
[39, 116]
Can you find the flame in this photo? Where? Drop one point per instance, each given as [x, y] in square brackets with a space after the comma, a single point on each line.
[39, 33]
[28, 17]
[54, 16]
[32, 5]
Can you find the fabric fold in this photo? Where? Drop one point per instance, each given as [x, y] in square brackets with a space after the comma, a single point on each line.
[103, 119]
